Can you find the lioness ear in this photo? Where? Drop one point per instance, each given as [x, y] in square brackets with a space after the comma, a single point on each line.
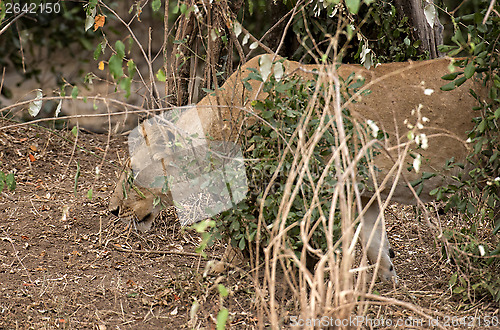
[117, 196]
[120, 192]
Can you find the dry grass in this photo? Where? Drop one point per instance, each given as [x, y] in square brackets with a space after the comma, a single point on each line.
[89, 271]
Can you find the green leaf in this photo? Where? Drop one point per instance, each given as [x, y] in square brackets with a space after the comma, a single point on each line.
[482, 126]
[460, 81]
[120, 49]
[74, 130]
[222, 319]
[419, 189]
[448, 87]
[125, 84]
[160, 75]
[223, 291]
[156, 4]
[445, 48]
[353, 6]
[497, 113]
[254, 76]
[242, 244]
[495, 230]
[496, 82]
[183, 8]
[131, 68]
[235, 225]
[90, 193]
[98, 50]
[453, 279]
[10, 181]
[482, 28]
[434, 191]
[428, 175]
[458, 38]
[2, 11]
[469, 70]
[451, 76]
[74, 92]
[115, 66]
[455, 52]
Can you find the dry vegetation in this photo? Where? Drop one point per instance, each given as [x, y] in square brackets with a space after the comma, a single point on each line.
[65, 262]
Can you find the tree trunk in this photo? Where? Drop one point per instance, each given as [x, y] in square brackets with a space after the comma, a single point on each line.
[431, 37]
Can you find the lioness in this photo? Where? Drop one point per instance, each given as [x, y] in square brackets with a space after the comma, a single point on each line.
[397, 89]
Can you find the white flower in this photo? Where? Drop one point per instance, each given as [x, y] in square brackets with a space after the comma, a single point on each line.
[237, 29]
[422, 141]
[417, 162]
[425, 141]
[245, 39]
[481, 250]
[374, 127]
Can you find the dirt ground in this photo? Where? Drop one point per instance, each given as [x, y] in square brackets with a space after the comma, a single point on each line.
[65, 262]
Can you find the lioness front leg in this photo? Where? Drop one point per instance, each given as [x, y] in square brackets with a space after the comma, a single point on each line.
[376, 244]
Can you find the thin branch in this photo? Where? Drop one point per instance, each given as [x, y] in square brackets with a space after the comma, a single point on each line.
[11, 22]
[488, 12]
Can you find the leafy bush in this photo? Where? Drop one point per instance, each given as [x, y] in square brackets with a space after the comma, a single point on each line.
[477, 192]
[288, 118]
[477, 273]
[367, 26]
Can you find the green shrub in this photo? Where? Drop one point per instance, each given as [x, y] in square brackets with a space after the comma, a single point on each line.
[271, 145]
[477, 194]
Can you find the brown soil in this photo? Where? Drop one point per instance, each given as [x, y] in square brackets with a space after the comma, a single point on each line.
[65, 262]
